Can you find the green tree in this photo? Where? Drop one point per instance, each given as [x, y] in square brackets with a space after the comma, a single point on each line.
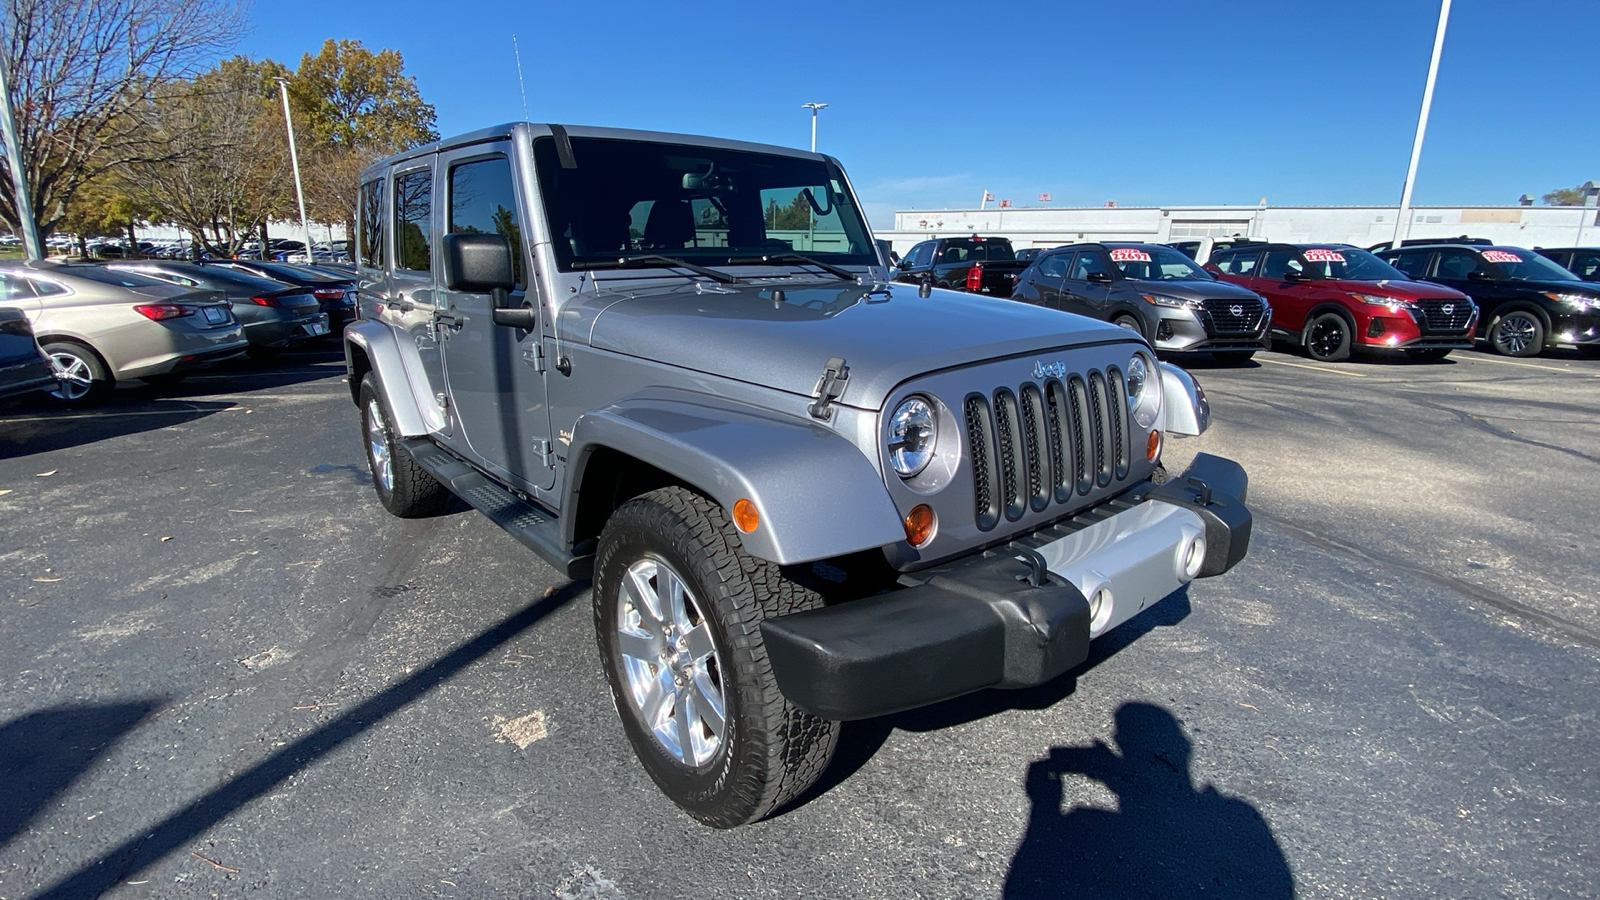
[1572, 196]
[349, 97]
[794, 217]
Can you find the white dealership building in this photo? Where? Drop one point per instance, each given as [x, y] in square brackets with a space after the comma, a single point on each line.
[1048, 226]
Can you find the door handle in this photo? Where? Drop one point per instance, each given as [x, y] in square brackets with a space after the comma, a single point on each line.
[403, 305]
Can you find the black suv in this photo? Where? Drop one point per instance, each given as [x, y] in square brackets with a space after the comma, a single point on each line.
[1527, 301]
[1154, 290]
[1583, 262]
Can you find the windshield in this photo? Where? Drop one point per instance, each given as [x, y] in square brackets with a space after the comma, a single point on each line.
[1525, 265]
[1350, 264]
[634, 198]
[1152, 263]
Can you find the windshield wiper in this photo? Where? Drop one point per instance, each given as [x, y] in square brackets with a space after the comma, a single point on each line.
[831, 269]
[645, 262]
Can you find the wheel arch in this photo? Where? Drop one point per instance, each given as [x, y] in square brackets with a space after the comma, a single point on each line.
[1516, 306]
[67, 338]
[817, 495]
[1329, 306]
[371, 346]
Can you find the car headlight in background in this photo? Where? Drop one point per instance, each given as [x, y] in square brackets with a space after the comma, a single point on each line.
[1171, 302]
[1144, 390]
[913, 434]
[1579, 301]
[1394, 304]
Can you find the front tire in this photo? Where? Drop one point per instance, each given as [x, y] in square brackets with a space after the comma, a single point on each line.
[1328, 338]
[81, 378]
[1517, 333]
[1128, 322]
[678, 606]
[404, 488]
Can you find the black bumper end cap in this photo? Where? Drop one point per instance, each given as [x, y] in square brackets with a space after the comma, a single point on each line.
[969, 627]
[1215, 489]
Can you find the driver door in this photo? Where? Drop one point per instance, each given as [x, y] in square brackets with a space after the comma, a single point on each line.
[495, 373]
[1083, 292]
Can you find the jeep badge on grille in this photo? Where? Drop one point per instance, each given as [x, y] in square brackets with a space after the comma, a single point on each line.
[1041, 369]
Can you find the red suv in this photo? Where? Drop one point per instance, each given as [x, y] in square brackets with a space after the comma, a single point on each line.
[1334, 298]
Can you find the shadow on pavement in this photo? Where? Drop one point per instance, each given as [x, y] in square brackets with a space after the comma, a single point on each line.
[44, 752]
[859, 741]
[1167, 838]
[152, 843]
[41, 428]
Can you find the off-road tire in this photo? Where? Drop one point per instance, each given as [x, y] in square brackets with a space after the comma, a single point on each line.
[1328, 338]
[1428, 354]
[83, 363]
[771, 750]
[412, 493]
[1516, 332]
[1233, 357]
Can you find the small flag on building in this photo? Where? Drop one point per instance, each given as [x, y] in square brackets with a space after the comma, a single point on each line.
[1044, 198]
[1005, 204]
[987, 196]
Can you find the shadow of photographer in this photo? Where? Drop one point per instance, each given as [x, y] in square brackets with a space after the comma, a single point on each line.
[1167, 838]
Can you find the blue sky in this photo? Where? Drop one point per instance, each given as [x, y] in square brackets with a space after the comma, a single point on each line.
[932, 102]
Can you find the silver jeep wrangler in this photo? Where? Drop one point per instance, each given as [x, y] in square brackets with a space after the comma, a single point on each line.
[677, 365]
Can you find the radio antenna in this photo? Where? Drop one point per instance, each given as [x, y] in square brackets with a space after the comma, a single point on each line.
[520, 84]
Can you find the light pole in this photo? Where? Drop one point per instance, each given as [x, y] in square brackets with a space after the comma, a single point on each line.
[294, 161]
[813, 107]
[1402, 224]
[19, 178]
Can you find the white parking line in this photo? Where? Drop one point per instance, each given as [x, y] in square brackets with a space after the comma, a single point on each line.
[1279, 362]
[1523, 365]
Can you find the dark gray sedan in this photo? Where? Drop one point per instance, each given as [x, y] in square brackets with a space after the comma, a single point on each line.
[23, 366]
[275, 315]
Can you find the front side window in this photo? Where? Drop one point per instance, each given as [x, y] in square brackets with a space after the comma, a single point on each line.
[372, 224]
[1277, 264]
[1088, 263]
[1586, 264]
[483, 201]
[413, 211]
[1414, 263]
[921, 255]
[1458, 264]
[1054, 265]
[618, 198]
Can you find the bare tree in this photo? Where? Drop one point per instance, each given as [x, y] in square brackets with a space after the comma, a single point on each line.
[83, 73]
[227, 167]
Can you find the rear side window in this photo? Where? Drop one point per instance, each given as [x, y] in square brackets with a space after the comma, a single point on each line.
[483, 201]
[413, 211]
[372, 224]
[1237, 263]
[1413, 263]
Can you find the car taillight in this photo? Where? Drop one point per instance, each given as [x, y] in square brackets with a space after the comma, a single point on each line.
[328, 293]
[975, 277]
[160, 311]
[265, 301]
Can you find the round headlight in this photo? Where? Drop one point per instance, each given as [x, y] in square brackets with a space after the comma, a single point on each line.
[913, 431]
[1144, 392]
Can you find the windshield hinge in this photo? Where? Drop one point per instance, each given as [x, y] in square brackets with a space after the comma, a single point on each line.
[533, 355]
[830, 387]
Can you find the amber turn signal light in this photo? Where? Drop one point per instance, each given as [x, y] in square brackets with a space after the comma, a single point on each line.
[745, 516]
[921, 524]
[1152, 448]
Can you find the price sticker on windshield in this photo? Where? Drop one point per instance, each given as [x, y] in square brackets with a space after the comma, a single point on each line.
[1129, 254]
[1316, 254]
[1501, 256]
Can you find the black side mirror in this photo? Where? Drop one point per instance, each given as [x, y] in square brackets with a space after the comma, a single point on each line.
[481, 264]
[1099, 278]
[1479, 275]
[1294, 275]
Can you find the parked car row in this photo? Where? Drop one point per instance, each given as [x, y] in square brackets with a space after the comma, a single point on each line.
[100, 323]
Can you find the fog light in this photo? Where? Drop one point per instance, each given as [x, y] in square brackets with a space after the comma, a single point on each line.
[921, 525]
[1376, 328]
[1152, 447]
[1164, 330]
[745, 516]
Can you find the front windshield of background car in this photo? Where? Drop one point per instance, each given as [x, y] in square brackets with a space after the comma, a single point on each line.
[1525, 265]
[1151, 263]
[1349, 264]
[700, 204]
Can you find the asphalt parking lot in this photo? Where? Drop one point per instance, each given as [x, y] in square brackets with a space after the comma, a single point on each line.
[225, 670]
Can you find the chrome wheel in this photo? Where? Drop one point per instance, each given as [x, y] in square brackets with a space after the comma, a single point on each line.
[378, 446]
[674, 675]
[1515, 334]
[74, 377]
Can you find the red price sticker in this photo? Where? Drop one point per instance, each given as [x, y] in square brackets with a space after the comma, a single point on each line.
[1319, 255]
[1128, 254]
[1500, 256]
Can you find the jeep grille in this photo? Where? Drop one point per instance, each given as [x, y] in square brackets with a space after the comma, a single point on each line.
[1046, 443]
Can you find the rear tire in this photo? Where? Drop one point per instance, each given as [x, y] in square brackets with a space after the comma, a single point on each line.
[1517, 333]
[1430, 354]
[1233, 357]
[678, 607]
[1327, 338]
[82, 379]
[404, 488]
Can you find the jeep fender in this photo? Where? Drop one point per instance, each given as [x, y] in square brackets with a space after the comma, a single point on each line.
[401, 379]
[817, 495]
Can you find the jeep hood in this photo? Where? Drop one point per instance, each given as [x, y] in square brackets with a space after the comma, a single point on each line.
[782, 336]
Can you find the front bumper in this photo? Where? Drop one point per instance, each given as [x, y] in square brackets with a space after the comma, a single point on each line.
[1183, 331]
[1017, 615]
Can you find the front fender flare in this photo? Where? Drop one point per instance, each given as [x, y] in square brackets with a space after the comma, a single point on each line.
[386, 356]
[817, 495]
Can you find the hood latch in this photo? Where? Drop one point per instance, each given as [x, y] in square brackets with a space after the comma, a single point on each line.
[830, 387]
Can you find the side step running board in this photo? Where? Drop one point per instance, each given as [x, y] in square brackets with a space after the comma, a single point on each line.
[537, 529]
